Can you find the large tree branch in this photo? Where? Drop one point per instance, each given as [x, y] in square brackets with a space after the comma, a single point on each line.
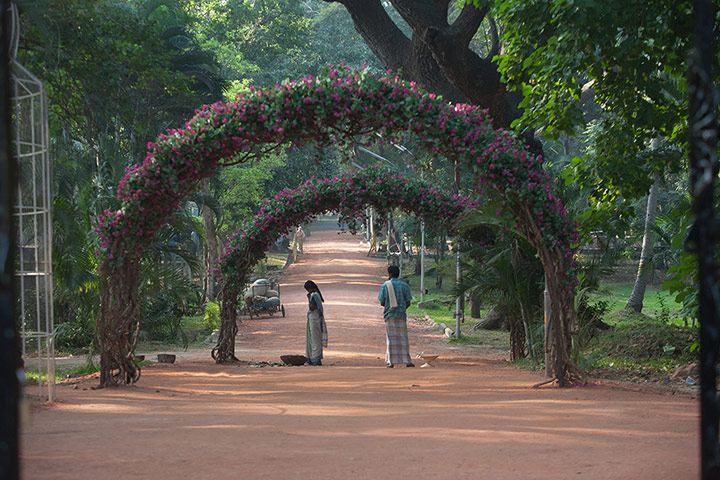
[476, 78]
[395, 50]
[495, 47]
[467, 23]
[419, 14]
[385, 39]
[438, 57]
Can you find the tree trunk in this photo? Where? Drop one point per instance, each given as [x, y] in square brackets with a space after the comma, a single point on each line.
[563, 319]
[438, 54]
[517, 339]
[118, 325]
[475, 306]
[438, 261]
[493, 320]
[224, 351]
[635, 302]
[211, 252]
[528, 333]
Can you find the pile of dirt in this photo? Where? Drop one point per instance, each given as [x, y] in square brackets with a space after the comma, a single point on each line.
[648, 341]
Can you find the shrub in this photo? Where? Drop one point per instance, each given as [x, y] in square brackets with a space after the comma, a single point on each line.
[72, 335]
[212, 317]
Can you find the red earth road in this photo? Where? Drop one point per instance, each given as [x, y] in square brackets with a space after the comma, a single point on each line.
[470, 417]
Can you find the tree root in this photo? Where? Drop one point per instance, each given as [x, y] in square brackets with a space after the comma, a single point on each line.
[538, 385]
[219, 358]
[573, 375]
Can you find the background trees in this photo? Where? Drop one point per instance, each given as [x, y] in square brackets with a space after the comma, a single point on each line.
[631, 58]
[117, 73]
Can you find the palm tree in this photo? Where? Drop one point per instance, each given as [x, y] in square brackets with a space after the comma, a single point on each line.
[509, 276]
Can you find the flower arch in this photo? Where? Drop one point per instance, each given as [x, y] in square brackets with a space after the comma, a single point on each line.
[336, 108]
[347, 195]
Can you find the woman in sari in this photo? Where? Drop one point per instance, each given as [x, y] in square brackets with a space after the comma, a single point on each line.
[315, 330]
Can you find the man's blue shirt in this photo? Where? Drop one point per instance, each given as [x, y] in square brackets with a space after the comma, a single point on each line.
[402, 295]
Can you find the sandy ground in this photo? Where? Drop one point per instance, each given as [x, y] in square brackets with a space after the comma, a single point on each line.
[470, 416]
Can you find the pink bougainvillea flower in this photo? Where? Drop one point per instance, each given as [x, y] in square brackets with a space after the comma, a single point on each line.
[309, 112]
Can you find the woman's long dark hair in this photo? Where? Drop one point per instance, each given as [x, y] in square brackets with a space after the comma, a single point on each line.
[312, 286]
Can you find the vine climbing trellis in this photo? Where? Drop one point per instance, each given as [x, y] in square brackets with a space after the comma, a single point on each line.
[333, 109]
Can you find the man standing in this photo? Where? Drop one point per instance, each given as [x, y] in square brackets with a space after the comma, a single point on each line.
[395, 297]
[300, 236]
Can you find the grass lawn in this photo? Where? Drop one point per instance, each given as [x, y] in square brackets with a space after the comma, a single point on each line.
[656, 304]
[276, 260]
[443, 309]
[649, 345]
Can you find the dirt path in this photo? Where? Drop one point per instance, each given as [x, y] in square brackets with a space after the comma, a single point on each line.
[469, 417]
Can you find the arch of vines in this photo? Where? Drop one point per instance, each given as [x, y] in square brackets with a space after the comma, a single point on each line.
[347, 195]
[336, 108]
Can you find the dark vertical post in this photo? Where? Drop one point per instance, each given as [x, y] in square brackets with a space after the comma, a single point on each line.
[9, 356]
[704, 232]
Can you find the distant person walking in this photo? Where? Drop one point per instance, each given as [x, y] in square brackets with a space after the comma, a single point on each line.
[395, 297]
[316, 336]
[280, 243]
[300, 236]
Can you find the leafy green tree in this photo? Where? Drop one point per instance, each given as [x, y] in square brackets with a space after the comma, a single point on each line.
[629, 57]
[239, 190]
[116, 73]
[107, 71]
[256, 42]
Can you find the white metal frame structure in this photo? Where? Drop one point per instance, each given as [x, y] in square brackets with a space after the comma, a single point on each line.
[32, 214]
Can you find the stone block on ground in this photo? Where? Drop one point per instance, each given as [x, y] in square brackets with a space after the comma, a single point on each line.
[166, 358]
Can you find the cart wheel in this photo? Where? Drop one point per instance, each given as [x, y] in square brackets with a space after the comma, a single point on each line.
[271, 312]
[282, 309]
